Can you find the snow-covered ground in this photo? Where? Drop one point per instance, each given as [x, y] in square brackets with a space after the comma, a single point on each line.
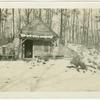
[53, 75]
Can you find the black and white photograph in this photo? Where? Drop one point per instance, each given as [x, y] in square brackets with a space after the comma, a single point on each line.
[49, 49]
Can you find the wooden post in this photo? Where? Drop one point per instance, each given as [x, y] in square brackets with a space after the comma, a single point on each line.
[22, 52]
[20, 49]
[33, 52]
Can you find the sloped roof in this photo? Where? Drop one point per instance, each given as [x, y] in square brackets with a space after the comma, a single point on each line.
[38, 28]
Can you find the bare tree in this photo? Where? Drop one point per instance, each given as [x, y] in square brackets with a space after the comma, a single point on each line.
[0, 22]
[61, 27]
[73, 24]
[27, 14]
[13, 24]
[20, 20]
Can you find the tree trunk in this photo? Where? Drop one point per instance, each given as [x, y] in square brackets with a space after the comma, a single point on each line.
[88, 27]
[92, 36]
[19, 25]
[13, 24]
[40, 17]
[61, 26]
[0, 23]
[73, 26]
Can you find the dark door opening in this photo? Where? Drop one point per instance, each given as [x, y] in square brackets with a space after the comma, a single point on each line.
[28, 48]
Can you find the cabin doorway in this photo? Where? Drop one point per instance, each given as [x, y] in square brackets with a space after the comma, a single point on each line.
[28, 48]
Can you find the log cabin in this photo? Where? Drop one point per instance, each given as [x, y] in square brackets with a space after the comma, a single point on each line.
[36, 40]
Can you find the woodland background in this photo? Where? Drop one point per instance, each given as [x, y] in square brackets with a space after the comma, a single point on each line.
[79, 26]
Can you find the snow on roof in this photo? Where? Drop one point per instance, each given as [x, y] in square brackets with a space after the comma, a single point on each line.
[35, 36]
[38, 29]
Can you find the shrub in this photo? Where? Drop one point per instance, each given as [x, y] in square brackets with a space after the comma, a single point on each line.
[77, 62]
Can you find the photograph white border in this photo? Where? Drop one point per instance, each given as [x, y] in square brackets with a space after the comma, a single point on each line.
[49, 4]
[50, 95]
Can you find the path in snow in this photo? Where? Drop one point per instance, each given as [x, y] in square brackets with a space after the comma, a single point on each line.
[52, 76]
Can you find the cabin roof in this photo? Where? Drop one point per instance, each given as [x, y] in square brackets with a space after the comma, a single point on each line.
[37, 29]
